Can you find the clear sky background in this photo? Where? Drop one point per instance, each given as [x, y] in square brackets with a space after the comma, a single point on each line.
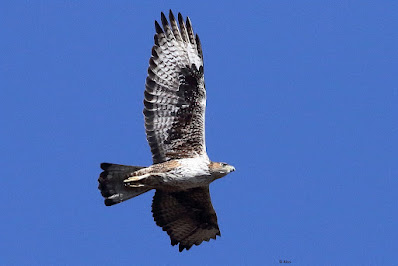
[302, 100]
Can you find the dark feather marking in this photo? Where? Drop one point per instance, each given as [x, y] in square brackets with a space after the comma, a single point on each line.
[164, 20]
[199, 46]
[154, 53]
[159, 29]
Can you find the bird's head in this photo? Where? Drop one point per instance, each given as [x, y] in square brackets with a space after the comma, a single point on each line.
[219, 170]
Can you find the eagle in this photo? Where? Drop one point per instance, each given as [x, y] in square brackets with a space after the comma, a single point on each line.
[175, 102]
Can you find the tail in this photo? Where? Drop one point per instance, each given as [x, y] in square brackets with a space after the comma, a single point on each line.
[112, 186]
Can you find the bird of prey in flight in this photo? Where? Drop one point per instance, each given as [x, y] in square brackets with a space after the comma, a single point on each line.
[175, 102]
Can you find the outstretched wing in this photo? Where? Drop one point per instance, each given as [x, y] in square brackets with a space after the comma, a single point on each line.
[187, 216]
[175, 95]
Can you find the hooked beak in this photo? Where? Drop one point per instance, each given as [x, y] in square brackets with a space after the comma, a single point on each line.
[231, 168]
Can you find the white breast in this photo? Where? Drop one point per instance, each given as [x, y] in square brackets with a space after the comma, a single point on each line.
[192, 172]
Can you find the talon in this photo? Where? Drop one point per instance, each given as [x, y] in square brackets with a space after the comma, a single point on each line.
[136, 185]
[131, 179]
[135, 178]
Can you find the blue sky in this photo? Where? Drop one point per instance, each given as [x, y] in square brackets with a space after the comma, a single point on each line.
[302, 100]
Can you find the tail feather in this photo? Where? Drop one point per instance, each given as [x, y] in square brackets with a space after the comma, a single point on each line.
[111, 183]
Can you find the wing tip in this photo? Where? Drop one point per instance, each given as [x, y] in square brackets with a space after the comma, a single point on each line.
[159, 29]
[188, 22]
[163, 18]
[180, 18]
[171, 15]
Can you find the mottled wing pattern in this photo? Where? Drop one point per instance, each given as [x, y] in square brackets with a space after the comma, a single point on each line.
[187, 216]
[175, 95]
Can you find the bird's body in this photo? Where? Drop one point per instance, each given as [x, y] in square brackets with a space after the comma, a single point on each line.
[175, 175]
[175, 102]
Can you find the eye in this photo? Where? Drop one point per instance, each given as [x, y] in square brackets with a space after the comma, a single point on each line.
[223, 164]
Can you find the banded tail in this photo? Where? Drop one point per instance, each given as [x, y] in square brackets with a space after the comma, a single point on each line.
[111, 183]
